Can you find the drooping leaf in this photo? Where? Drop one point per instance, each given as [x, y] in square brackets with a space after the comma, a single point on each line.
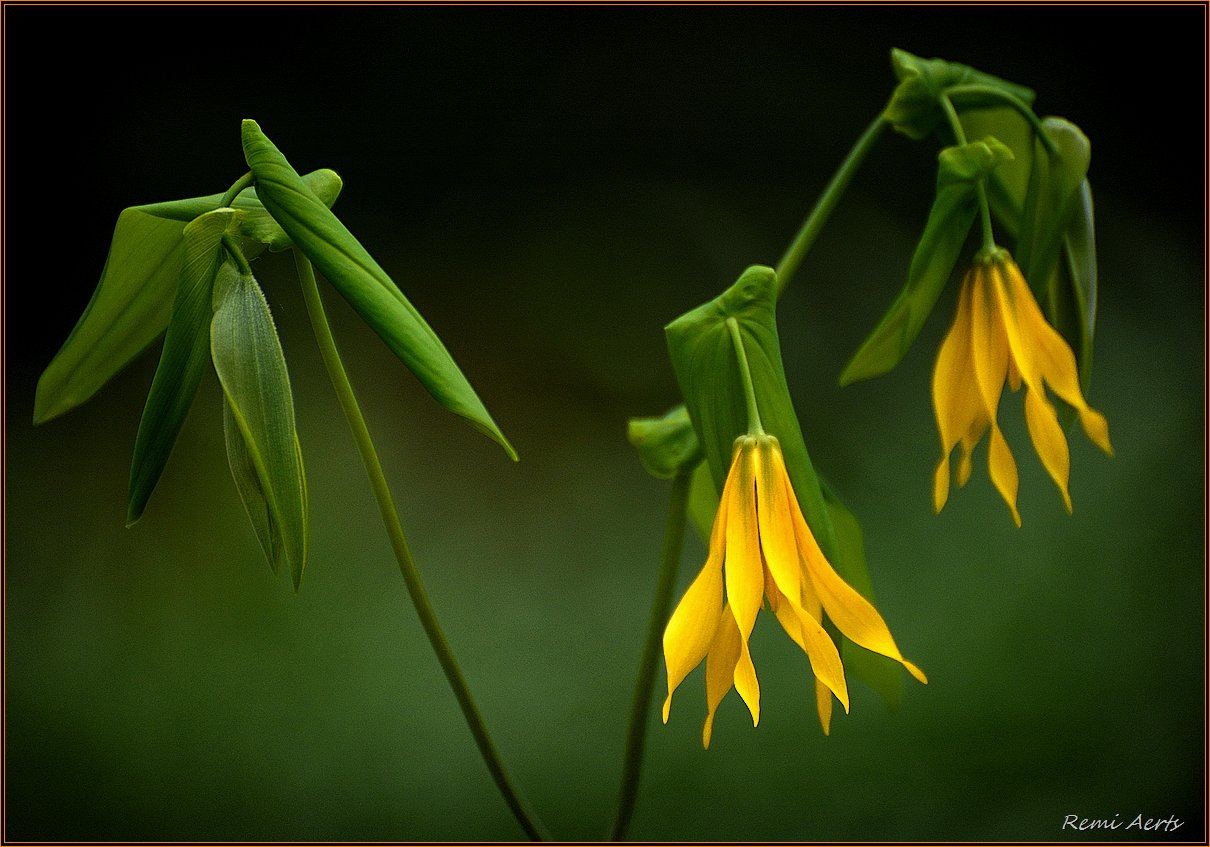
[247, 483]
[915, 107]
[128, 311]
[882, 674]
[949, 221]
[707, 370]
[1051, 201]
[133, 301]
[184, 357]
[1080, 250]
[252, 371]
[666, 445]
[1009, 182]
[326, 241]
[703, 500]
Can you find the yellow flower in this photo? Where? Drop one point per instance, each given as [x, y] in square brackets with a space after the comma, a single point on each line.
[761, 548]
[1000, 334]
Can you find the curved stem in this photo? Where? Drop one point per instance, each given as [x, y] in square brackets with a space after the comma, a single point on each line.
[237, 255]
[407, 565]
[985, 212]
[236, 187]
[826, 203]
[1024, 110]
[636, 736]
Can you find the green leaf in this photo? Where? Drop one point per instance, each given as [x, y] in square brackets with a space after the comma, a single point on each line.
[882, 674]
[134, 299]
[1051, 201]
[1080, 250]
[360, 280]
[703, 500]
[707, 370]
[914, 108]
[949, 221]
[183, 359]
[252, 370]
[1009, 182]
[666, 445]
[128, 310]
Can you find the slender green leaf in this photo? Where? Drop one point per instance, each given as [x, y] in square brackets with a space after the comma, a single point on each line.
[134, 299]
[1051, 201]
[247, 483]
[884, 675]
[707, 370]
[183, 359]
[949, 221]
[252, 370]
[128, 311]
[360, 280]
[915, 109]
[666, 445]
[1080, 249]
[703, 500]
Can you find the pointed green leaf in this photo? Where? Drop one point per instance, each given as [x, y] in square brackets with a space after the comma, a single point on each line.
[252, 370]
[1051, 201]
[134, 298]
[666, 445]
[953, 212]
[914, 108]
[247, 483]
[1080, 250]
[707, 370]
[128, 310]
[703, 500]
[360, 280]
[882, 674]
[183, 359]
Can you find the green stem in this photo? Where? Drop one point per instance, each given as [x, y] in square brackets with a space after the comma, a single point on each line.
[407, 565]
[237, 255]
[636, 736]
[236, 187]
[985, 212]
[959, 91]
[745, 375]
[826, 203]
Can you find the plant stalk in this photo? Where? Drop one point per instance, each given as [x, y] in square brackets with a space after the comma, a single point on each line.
[636, 736]
[985, 212]
[403, 554]
[826, 203]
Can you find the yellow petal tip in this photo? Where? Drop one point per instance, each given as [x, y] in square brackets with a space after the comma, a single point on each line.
[916, 672]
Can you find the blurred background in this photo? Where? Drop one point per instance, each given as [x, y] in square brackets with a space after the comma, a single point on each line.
[549, 187]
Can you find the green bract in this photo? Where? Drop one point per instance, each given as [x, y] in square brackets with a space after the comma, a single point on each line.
[326, 241]
[954, 207]
[133, 302]
[666, 445]
[915, 105]
[262, 445]
[704, 359]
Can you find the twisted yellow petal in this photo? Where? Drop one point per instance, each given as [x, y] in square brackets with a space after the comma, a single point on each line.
[720, 668]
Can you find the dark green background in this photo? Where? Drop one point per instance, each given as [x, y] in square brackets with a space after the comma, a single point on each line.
[549, 187]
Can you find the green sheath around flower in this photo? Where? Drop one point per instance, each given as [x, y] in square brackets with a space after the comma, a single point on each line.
[762, 549]
[998, 335]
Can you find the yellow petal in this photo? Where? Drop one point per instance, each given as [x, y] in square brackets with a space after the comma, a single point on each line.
[1049, 440]
[720, 668]
[1003, 471]
[989, 343]
[690, 630]
[955, 397]
[821, 651]
[743, 568]
[941, 483]
[853, 615]
[1054, 359]
[776, 528]
[823, 705]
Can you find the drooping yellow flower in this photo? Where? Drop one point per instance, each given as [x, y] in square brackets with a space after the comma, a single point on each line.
[1000, 334]
[762, 549]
